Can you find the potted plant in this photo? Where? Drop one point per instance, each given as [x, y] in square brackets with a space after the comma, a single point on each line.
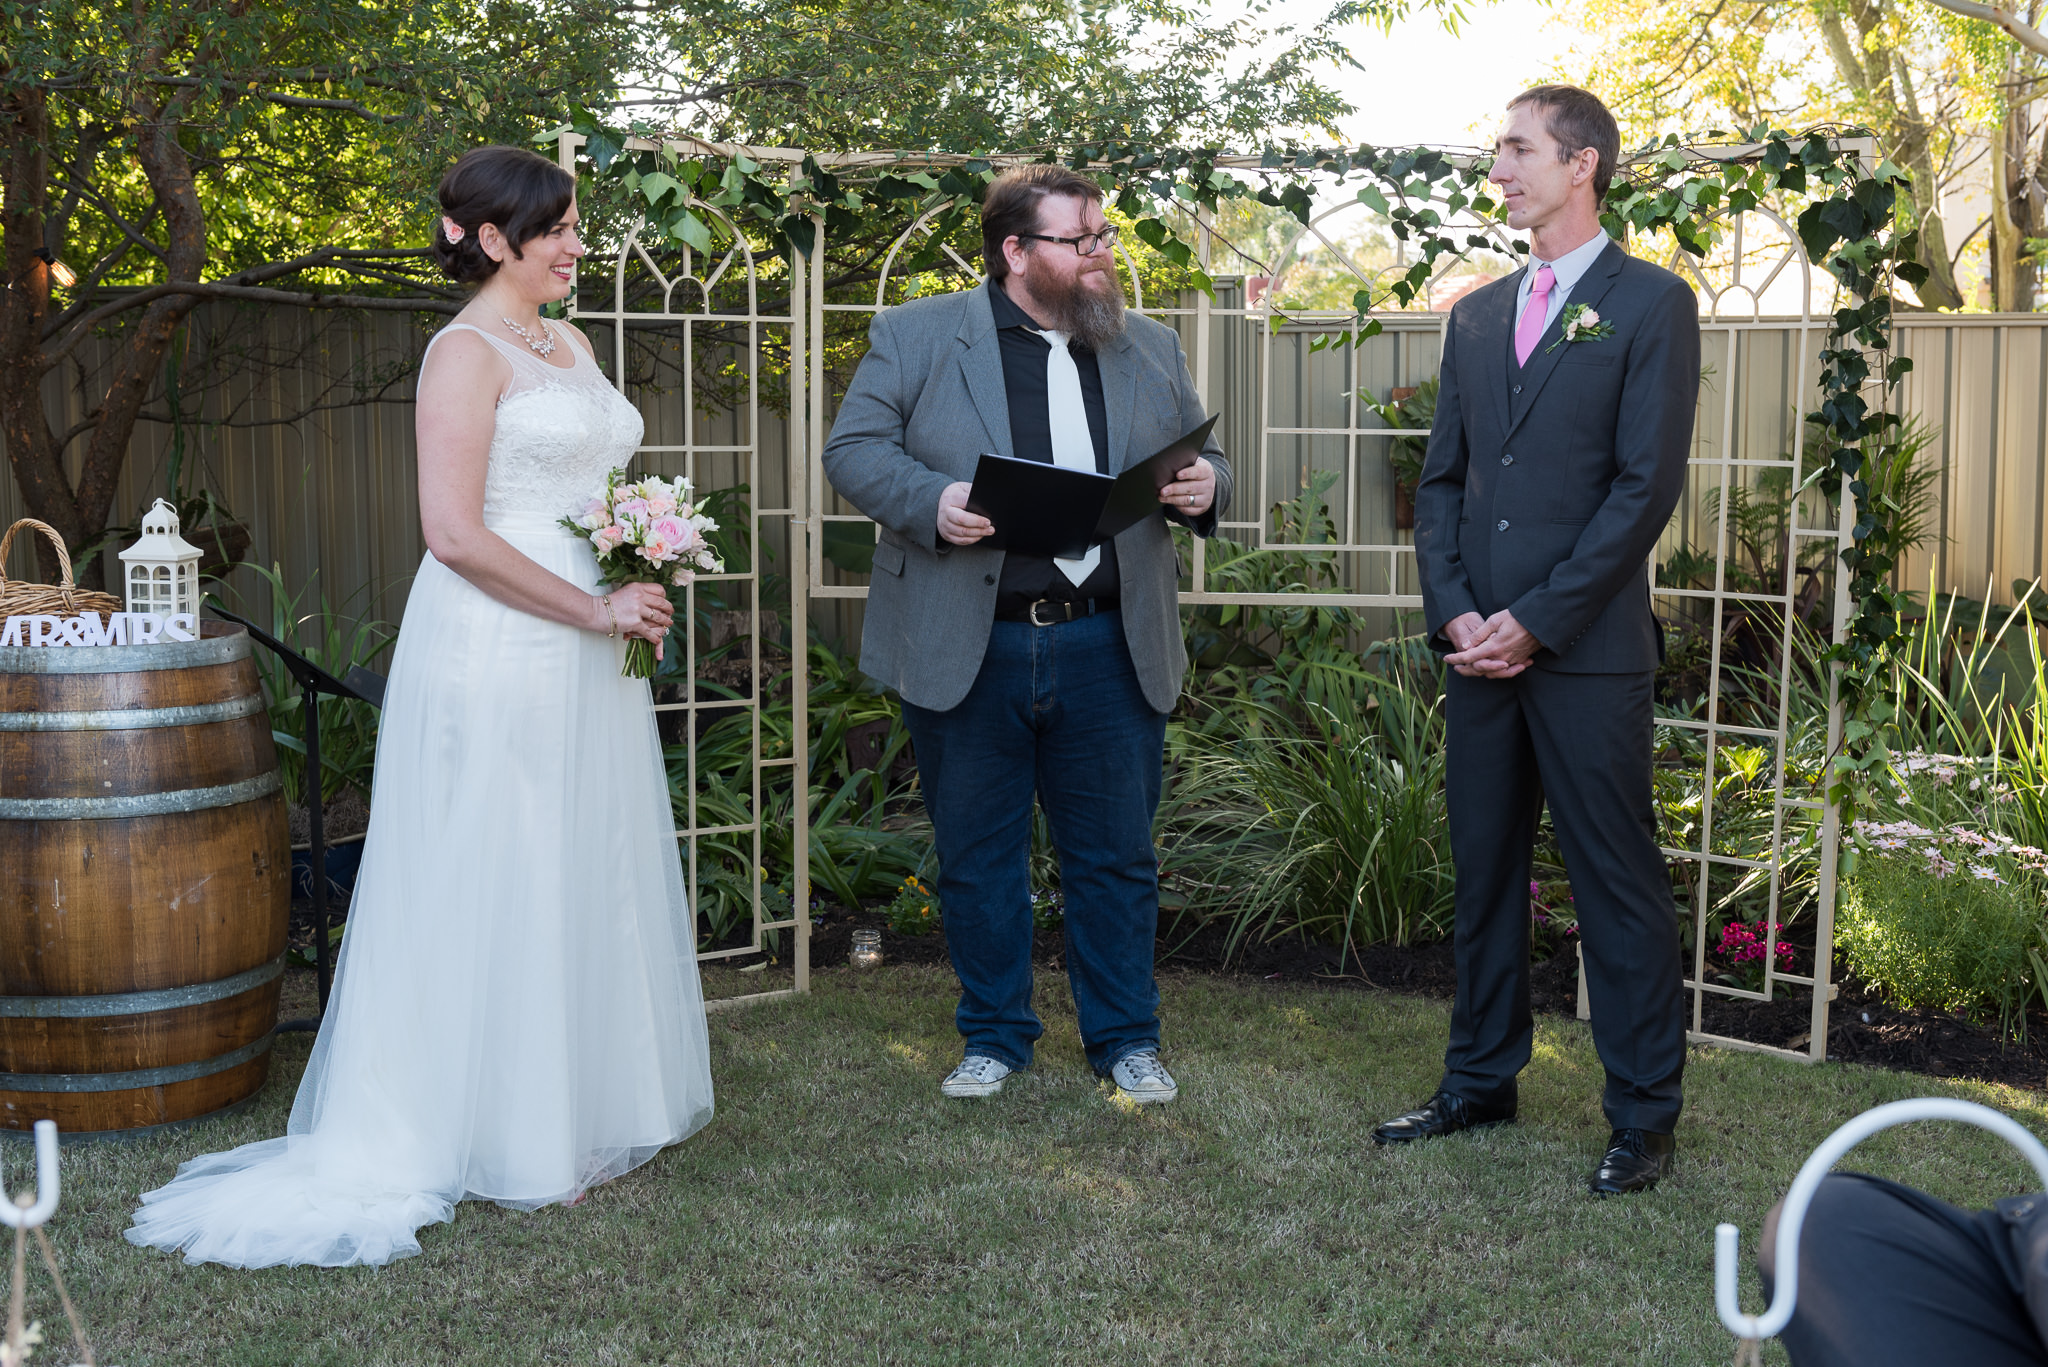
[1411, 408]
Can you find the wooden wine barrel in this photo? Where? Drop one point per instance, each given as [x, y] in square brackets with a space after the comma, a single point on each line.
[144, 883]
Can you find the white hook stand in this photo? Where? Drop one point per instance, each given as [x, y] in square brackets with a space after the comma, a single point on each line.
[30, 1216]
[1727, 1295]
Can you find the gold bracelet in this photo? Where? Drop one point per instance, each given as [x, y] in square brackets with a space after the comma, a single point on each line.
[610, 616]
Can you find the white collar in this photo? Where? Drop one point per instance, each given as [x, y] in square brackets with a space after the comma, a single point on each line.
[1570, 268]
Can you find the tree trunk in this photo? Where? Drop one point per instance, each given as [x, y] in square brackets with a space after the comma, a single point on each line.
[2007, 246]
[140, 361]
[31, 446]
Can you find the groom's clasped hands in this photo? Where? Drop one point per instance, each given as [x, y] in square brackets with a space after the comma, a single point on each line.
[1496, 647]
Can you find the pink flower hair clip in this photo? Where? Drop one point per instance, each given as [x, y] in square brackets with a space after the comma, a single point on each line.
[450, 229]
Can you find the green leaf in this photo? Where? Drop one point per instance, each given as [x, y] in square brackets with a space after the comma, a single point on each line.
[660, 185]
[690, 228]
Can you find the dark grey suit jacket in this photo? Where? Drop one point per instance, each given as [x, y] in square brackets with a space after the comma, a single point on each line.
[927, 400]
[1547, 486]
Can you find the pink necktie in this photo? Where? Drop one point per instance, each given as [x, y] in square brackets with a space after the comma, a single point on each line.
[1534, 316]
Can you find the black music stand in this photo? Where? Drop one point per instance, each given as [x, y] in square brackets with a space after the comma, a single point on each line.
[362, 685]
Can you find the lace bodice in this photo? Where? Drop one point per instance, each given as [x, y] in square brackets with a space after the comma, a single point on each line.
[559, 432]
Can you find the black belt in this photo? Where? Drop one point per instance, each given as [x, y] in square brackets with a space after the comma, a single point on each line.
[1049, 612]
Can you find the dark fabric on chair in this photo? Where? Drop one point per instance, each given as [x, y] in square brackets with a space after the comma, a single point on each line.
[1891, 1277]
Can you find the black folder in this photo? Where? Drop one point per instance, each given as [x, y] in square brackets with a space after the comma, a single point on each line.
[1044, 509]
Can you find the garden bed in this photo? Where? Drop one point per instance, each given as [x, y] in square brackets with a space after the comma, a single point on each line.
[1862, 1028]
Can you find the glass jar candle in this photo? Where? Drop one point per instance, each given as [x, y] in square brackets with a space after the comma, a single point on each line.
[867, 949]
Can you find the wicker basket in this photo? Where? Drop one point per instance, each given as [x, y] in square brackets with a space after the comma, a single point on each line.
[19, 598]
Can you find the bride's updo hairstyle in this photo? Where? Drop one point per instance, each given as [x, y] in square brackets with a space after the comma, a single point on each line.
[522, 192]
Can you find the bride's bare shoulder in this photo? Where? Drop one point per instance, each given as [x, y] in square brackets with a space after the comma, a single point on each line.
[461, 354]
[578, 337]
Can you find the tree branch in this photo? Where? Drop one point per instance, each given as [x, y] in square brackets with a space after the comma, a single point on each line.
[278, 97]
[213, 290]
[2023, 33]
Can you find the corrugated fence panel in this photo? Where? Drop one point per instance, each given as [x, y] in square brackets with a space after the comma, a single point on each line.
[327, 487]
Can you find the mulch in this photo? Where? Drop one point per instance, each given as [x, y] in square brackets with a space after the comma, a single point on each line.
[1862, 1027]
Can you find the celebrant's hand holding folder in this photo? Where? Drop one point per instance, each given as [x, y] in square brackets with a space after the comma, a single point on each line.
[1042, 509]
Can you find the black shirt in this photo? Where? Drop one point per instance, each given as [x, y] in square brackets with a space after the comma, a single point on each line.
[1028, 578]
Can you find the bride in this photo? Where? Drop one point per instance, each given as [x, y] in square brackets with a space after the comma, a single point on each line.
[516, 1014]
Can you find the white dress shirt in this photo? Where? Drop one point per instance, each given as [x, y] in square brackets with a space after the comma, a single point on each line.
[1566, 271]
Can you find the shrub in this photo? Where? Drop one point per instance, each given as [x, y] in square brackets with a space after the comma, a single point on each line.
[1928, 933]
[1334, 827]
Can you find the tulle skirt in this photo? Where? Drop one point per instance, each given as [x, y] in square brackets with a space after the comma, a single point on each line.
[516, 1014]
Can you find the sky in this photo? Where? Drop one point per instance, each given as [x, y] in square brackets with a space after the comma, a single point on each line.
[1421, 85]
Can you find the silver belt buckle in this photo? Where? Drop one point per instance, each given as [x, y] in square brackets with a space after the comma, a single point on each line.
[1032, 614]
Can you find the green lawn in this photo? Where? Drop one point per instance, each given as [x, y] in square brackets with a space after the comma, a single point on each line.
[838, 1212]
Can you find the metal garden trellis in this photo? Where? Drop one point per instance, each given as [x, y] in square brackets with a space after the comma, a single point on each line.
[1242, 329]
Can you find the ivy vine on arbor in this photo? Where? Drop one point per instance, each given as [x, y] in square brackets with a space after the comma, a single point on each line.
[1846, 222]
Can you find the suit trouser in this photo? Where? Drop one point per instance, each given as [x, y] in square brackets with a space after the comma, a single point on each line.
[1891, 1277]
[1581, 743]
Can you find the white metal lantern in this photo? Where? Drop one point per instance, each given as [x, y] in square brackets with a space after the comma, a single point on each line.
[163, 567]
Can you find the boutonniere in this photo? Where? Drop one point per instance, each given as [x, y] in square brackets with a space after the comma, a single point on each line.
[1581, 324]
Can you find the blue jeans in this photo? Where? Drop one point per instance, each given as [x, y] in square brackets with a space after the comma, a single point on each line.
[1055, 711]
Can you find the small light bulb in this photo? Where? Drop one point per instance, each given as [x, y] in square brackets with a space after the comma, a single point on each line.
[63, 274]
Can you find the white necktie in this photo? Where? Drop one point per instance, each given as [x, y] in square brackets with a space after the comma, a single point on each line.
[1073, 446]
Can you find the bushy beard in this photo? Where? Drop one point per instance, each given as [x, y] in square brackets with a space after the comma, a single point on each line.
[1090, 316]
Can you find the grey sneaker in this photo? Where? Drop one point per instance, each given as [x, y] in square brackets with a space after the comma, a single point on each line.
[1142, 1078]
[977, 1075]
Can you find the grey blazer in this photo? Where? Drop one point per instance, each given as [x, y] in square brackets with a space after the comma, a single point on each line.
[1546, 487]
[927, 400]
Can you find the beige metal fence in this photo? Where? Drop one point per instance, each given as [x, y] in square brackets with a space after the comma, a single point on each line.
[328, 494]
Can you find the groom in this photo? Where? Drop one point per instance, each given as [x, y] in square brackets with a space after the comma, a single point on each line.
[1559, 450]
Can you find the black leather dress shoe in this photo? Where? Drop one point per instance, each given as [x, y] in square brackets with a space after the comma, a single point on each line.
[1445, 1113]
[1635, 1160]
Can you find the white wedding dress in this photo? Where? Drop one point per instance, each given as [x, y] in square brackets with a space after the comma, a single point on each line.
[516, 1013]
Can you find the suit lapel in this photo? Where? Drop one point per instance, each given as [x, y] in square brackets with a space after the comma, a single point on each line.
[981, 365]
[1119, 395]
[1499, 325]
[1591, 289]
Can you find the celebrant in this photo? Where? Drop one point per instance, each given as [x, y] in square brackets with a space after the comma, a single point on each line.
[1022, 676]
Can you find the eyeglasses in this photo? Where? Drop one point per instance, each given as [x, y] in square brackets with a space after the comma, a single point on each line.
[1085, 245]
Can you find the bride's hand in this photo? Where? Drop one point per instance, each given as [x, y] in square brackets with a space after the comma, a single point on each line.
[641, 610]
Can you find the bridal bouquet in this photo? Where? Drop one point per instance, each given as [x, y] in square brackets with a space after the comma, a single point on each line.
[646, 532]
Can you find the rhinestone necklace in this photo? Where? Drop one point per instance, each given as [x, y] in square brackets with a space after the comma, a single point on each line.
[543, 346]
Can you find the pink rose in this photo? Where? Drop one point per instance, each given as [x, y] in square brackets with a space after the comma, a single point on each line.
[672, 530]
[660, 505]
[631, 507]
[682, 578]
[608, 539]
[657, 550]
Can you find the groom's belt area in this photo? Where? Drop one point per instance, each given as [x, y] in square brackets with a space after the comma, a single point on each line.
[1048, 612]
